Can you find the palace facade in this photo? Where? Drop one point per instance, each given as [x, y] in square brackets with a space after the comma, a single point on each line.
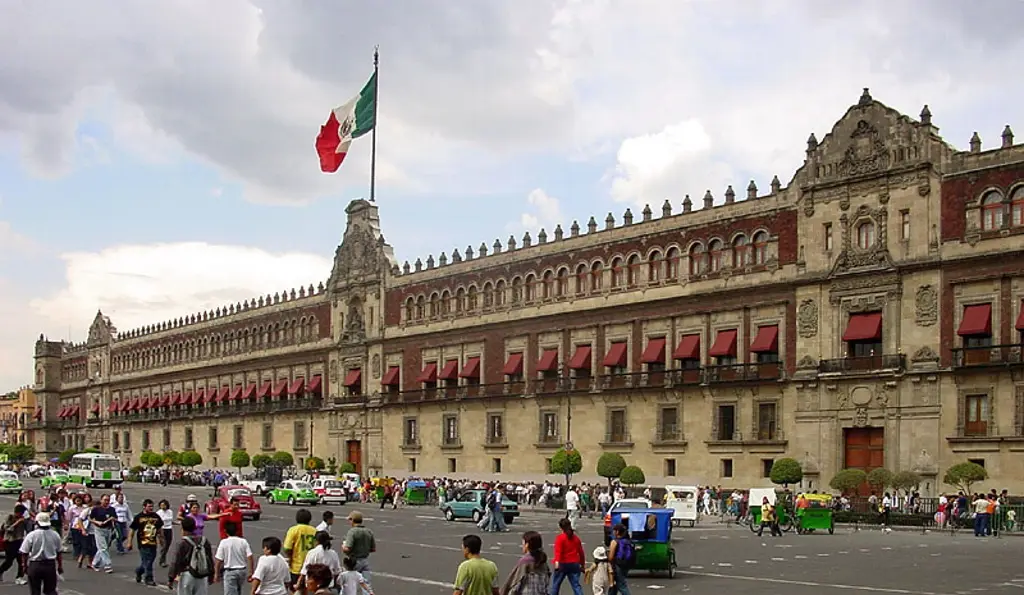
[866, 314]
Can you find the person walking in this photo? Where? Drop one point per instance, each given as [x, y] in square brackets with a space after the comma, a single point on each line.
[569, 558]
[476, 575]
[272, 573]
[233, 561]
[41, 554]
[359, 544]
[322, 554]
[145, 528]
[192, 563]
[124, 518]
[572, 506]
[622, 553]
[531, 575]
[166, 529]
[299, 539]
[102, 518]
[14, 529]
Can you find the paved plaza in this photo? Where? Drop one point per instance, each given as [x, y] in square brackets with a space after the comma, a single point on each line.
[419, 553]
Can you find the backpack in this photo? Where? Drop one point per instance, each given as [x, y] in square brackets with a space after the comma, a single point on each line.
[625, 553]
[199, 562]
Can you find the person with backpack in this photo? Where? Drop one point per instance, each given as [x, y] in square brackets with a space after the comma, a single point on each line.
[192, 564]
[622, 552]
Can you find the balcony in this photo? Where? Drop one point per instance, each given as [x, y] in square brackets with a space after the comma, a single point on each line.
[987, 357]
[226, 409]
[494, 441]
[893, 363]
[411, 444]
[743, 372]
[451, 442]
[617, 438]
[545, 440]
[686, 376]
[668, 435]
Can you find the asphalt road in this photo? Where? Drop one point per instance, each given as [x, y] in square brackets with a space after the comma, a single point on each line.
[419, 553]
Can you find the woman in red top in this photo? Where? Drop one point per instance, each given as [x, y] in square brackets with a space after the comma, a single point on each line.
[568, 560]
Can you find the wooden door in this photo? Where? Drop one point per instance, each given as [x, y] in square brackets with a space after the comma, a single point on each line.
[354, 454]
[864, 448]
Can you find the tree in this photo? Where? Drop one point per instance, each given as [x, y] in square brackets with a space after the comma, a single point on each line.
[848, 480]
[347, 467]
[332, 465]
[282, 459]
[20, 453]
[315, 464]
[171, 458]
[632, 476]
[65, 456]
[786, 471]
[880, 478]
[908, 481]
[610, 466]
[92, 450]
[190, 458]
[566, 463]
[964, 475]
[239, 459]
[260, 461]
[151, 459]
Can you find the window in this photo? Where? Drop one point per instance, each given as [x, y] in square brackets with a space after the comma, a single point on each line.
[530, 287]
[670, 467]
[596, 272]
[495, 428]
[905, 225]
[715, 252]
[766, 421]
[145, 440]
[411, 432]
[189, 439]
[672, 264]
[726, 468]
[412, 465]
[978, 462]
[617, 426]
[668, 428]
[1017, 207]
[976, 415]
[726, 423]
[451, 430]
[581, 279]
[866, 235]
[548, 427]
[654, 265]
[827, 233]
[562, 289]
[517, 290]
[115, 441]
[633, 271]
[698, 260]
[167, 439]
[760, 249]
[212, 437]
[452, 465]
[741, 255]
[548, 289]
[992, 211]
[237, 437]
[299, 435]
[616, 272]
[766, 467]
[471, 298]
[267, 441]
[496, 465]
[863, 335]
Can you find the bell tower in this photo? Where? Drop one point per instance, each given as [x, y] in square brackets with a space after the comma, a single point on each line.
[48, 355]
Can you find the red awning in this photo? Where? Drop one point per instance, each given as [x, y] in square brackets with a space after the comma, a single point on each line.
[471, 369]
[688, 348]
[176, 398]
[548, 361]
[249, 392]
[1020, 319]
[724, 345]
[297, 385]
[150, 402]
[353, 378]
[428, 374]
[113, 407]
[514, 364]
[197, 397]
[222, 394]
[95, 410]
[654, 353]
[63, 412]
[581, 358]
[235, 393]
[616, 356]
[75, 411]
[391, 377]
[278, 389]
[977, 321]
[767, 340]
[264, 390]
[136, 405]
[864, 327]
[314, 385]
[450, 371]
[165, 400]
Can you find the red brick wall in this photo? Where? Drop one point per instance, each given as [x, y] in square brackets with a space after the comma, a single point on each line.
[956, 191]
[978, 269]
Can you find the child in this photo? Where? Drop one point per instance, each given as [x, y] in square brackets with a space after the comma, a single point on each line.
[600, 572]
[351, 582]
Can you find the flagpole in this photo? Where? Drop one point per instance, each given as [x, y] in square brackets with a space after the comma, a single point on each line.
[373, 138]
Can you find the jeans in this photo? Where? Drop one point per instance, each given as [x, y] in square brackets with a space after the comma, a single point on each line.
[363, 567]
[103, 535]
[234, 579]
[621, 586]
[147, 555]
[981, 524]
[12, 556]
[569, 571]
[498, 522]
[120, 534]
[42, 577]
[573, 515]
[165, 546]
[190, 585]
[485, 523]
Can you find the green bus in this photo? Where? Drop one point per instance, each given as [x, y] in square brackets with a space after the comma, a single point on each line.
[95, 470]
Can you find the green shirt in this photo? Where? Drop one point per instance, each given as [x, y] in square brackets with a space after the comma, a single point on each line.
[360, 542]
[477, 576]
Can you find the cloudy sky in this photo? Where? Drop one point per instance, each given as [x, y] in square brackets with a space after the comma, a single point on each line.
[157, 158]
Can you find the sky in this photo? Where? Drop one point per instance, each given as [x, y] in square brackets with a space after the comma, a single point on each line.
[157, 159]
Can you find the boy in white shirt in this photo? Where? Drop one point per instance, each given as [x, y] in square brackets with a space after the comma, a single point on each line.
[233, 561]
[272, 573]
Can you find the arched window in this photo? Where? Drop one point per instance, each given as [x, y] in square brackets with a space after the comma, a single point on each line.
[1017, 207]
[759, 250]
[517, 290]
[499, 294]
[716, 253]
[992, 211]
[562, 289]
[741, 256]
[633, 271]
[435, 308]
[446, 302]
[420, 307]
[471, 298]
[596, 276]
[549, 285]
[672, 264]
[654, 264]
[866, 235]
[488, 295]
[617, 272]
[698, 259]
[581, 279]
[531, 287]
[460, 299]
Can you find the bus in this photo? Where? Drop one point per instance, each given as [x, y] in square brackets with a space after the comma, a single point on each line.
[95, 470]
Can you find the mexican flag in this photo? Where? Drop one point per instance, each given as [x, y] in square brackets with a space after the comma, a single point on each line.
[349, 121]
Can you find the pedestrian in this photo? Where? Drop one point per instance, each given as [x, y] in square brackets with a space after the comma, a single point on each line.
[600, 575]
[326, 522]
[166, 529]
[102, 518]
[359, 544]
[124, 518]
[232, 515]
[299, 539]
[146, 529]
[531, 574]
[233, 561]
[14, 529]
[318, 580]
[980, 517]
[476, 575]
[272, 573]
[569, 559]
[768, 519]
[622, 554]
[351, 581]
[322, 554]
[41, 554]
[192, 563]
[572, 506]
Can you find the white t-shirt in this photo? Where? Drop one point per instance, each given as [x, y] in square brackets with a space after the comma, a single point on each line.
[981, 506]
[234, 552]
[319, 555]
[167, 516]
[572, 500]
[350, 581]
[323, 526]
[273, 573]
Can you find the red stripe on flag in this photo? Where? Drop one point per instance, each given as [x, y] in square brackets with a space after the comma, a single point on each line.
[329, 145]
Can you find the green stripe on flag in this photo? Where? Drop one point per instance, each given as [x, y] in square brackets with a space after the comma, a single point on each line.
[366, 108]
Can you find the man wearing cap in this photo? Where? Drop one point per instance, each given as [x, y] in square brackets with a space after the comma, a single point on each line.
[184, 508]
[359, 544]
[40, 551]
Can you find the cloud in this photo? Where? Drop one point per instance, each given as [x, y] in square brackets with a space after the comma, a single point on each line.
[545, 212]
[140, 285]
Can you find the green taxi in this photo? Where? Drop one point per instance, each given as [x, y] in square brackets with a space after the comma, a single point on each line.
[293, 492]
[10, 483]
[55, 477]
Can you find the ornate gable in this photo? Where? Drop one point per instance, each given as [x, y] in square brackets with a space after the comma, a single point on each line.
[363, 253]
[101, 332]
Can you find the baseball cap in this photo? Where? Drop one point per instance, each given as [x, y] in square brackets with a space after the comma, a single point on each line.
[191, 498]
[355, 516]
[600, 553]
[43, 519]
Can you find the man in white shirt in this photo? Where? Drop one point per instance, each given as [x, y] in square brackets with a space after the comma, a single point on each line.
[327, 522]
[572, 506]
[233, 561]
[40, 551]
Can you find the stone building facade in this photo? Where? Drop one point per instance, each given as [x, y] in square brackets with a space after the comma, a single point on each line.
[866, 314]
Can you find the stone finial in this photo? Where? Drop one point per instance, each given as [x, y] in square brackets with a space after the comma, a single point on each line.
[312, 289]
[751, 190]
[291, 294]
[511, 243]
[430, 262]
[926, 115]
[542, 236]
[442, 260]
[406, 268]
[776, 185]
[497, 246]
[419, 265]
[320, 287]
[574, 229]
[592, 225]
[730, 195]
[812, 143]
[302, 291]
[865, 98]
[627, 217]
[456, 257]
[483, 249]
[216, 313]
[395, 271]
[559, 234]
[709, 201]
[648, 213]
[687, 204]
[1007, 137]
[469, 252]
[527, 240]
[666, 208]
[609, 221]
[975, 143]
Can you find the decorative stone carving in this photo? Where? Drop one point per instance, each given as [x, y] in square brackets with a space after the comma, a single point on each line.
[362, 250]
[867, 154]
[807, 362]
[860, 417]
[101, 331]
[333, 371]
[809, 463]
[376, 365]
[926, 302]
[861, 396]
[843, 400]
[807, 319]
[882, 397]
[924, 354]
[925, 464]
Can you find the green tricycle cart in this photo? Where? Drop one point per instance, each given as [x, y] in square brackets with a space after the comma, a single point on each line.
[814, 511]
[777, 500]
[650, 529]
[416, 492]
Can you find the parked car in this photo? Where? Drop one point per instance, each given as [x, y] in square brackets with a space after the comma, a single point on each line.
[329, 489]
[266, 480]
[54, 477]
[221, 501]
[293, 492]
[470, 505]
[10, 483]
[76, 489]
